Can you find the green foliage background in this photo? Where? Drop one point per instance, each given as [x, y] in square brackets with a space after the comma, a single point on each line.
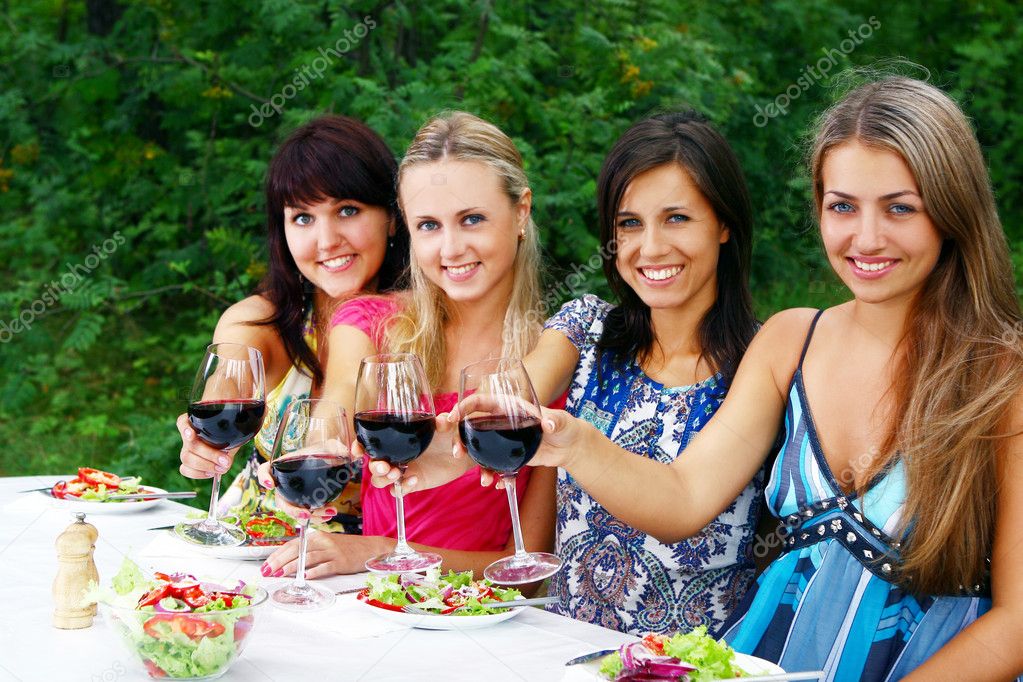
[137, 120]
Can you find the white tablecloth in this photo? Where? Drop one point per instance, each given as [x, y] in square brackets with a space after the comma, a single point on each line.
[340, 643]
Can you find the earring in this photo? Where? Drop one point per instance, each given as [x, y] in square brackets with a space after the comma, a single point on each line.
[522, 235]
[390, 243]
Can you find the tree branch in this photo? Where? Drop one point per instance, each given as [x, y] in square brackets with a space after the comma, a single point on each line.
[477, 48]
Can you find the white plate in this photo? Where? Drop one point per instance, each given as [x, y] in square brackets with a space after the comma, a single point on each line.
[243, 552]
[95, 507]
[443, 622]
[751, 665]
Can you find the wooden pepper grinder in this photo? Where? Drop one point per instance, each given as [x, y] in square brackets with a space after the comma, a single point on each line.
[75, 569]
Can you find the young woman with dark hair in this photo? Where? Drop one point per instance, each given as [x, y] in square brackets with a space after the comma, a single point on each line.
[333, 231]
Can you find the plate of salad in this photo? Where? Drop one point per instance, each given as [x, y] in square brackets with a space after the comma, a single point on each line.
[176, 626]
[265, 530]
[91, 489]
[690, 657]
[454, 601]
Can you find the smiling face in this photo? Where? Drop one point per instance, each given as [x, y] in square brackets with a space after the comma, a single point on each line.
[464, 228]
[669, 239]
[877, 234]
[338, 244]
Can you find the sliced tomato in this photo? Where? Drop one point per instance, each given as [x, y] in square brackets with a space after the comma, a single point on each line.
[364, 596]
[193, 596]
[153, 669]
[97, 478]
[59, 490]
[193, 627]
[226, 596]
[655, 643]
[153, 596]
[252, 527]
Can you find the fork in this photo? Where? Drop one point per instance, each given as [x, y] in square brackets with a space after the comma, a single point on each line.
[512, 604]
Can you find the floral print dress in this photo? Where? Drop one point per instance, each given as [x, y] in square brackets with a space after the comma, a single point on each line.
[615, 575]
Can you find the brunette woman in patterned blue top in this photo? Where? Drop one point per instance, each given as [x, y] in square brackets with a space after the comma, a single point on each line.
[649, 372]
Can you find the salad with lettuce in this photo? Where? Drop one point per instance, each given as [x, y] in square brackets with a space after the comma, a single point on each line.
[452, 594]
[178, 626]
[693, 657]
[93, 485]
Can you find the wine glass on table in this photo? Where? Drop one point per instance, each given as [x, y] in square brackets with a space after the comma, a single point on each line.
[500, 429]
[310, 464]
[225, 408]
[394, 422]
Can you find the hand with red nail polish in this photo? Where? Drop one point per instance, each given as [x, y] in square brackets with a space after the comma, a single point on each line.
[199, 460]
[319, 515]
[329, 554]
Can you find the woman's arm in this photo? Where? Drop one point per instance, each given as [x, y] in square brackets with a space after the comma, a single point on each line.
[333, 553]
[550, 366]
[675, 501]
[989, 649]
[347, 346]
[199, 460]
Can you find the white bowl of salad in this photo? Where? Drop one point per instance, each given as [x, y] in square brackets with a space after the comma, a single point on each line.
[176, 626]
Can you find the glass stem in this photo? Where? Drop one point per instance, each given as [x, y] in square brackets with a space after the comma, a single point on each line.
[214, 514]
[399, 502]
[300, 573]
[513, 505]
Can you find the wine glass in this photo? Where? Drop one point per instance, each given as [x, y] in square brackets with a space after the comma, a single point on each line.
[500, 428]
[225, 409]
[394, 422]
[310, 464]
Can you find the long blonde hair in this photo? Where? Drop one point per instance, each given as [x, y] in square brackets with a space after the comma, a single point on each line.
[419, 328]
[960, 370]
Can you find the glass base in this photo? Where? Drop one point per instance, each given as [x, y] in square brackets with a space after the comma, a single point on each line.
[515, 570]
[403, 563]
[210, 533]
[305, 598]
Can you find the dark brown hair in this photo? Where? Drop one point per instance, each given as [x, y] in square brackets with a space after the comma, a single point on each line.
[331, 157]
[685, 138]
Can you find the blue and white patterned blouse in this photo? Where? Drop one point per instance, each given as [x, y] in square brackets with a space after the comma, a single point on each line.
[615, 575]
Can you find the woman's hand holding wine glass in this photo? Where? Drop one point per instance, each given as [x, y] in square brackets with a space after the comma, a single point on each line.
[310, 464]
[562, 437]
[394, 422]
[500, 429]
[225, 410]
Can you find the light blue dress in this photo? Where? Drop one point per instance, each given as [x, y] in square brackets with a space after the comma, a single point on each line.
[829, 601]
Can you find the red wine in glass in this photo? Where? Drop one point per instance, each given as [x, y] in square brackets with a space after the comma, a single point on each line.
[395, 438]
[500, 443]
[500, 428]
[310, 464]
[394, 422]
[225, 408]
[226, 424]
[310, 481]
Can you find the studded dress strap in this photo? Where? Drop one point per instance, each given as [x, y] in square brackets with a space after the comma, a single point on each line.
[838, 519]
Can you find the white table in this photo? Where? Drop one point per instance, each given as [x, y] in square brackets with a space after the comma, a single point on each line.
[343, 642]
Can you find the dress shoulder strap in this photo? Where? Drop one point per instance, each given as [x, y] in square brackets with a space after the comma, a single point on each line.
[809, 335]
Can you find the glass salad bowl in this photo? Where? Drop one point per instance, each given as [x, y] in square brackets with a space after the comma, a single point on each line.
[184, 645]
